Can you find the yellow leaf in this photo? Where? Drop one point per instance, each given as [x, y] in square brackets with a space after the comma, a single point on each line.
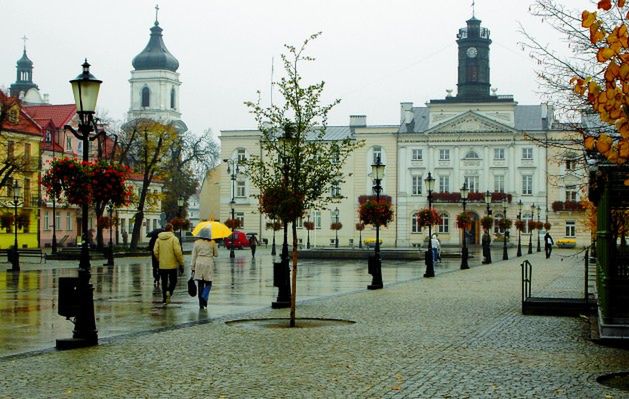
[587, 18]
[623, 149]
[604, 54]
[603, 144]
[621, 3]
[589, 143]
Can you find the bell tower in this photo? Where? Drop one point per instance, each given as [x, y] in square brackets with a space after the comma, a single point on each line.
[473, 73]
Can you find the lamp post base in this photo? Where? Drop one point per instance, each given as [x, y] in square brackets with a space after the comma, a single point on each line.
[75, 343]
[374, 266]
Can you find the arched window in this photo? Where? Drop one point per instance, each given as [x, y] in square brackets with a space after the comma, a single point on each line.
[415, 228]
[445, 222]
[172, 98]
[146, 97]
[471, 154]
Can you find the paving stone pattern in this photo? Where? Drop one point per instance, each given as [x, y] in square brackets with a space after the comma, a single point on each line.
[459, 335]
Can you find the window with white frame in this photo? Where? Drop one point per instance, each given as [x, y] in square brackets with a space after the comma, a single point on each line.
[58, 221]
[316, 218]
[497, 218]
[444, 154]
[527, 184]
[299, 223]
[499, 184]
[69, 221]
[416, 185]
[68, 143]
[241, 155]
[240, 189]
[527, 153]
[46, 221]
[444, 184]
[572, 193]
[335, 190]
[415, 227]
[416, 154]
[499, 154]
[377, 154]
[472, 183]
[240, 216]
[445, 222]
[571, 228]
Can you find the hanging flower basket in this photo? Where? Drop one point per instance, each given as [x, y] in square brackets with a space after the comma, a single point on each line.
[360, 226]
[375, 212]
[532, 225]
[309, 225]
[519, 225]
[547, 226]
[487, 222]
[428, 217]
[233, 223]
[336, 226]
[180, 223]
[505, 224]
[23, 219]
[275, 226]
[463, 220]
[539, 225]
[85, 182]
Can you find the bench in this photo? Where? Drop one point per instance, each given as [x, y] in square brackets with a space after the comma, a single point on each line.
[25, 253]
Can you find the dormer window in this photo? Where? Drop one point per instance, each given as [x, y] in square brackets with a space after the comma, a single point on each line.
[472, 155]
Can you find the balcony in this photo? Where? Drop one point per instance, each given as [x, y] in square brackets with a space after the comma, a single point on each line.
[567, 206]
[472, 197]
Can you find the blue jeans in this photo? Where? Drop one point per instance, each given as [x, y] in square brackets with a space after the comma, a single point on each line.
[202, 284]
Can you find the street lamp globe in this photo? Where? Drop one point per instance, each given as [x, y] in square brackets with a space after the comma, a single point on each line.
[377, 169]
[464, 192]
[85, 88]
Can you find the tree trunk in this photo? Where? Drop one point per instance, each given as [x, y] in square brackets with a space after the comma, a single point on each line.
[293, 297]
[137, 227]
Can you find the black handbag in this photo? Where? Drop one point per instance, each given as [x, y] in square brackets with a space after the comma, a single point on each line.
[192, 286]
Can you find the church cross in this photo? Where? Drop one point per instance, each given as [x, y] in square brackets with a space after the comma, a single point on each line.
[24, 38]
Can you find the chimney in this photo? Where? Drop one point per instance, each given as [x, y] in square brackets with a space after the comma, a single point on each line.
[406, 112]
[357, 120]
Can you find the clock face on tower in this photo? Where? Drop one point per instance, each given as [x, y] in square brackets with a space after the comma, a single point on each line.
[471, 52]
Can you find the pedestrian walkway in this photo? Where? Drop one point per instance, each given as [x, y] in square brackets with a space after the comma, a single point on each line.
[458, 335]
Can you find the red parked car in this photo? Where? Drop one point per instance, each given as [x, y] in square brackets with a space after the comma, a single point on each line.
[240, 240]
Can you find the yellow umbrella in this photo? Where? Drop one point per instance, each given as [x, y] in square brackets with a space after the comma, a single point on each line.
[217, 229]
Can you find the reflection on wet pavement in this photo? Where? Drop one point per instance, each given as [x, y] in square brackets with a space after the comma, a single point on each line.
[126, 301]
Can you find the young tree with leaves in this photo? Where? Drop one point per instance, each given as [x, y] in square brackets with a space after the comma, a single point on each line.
[300, 165]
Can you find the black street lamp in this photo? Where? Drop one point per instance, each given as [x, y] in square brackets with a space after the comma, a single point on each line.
[430, 270]
[531, 232]
[180, 202]
[487, 249]
[110, 250]
[519, 253]
[13, 254]
[273, 246]
[336, 218]
[375, 263]
[308, 233]
[539, 209]
[232, 171]
[54, 203]
[85, 88]
[488, 202]
[281, 270]
[464, 253]
[505, 255]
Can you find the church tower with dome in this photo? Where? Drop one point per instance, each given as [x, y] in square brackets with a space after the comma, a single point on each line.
[155, 82]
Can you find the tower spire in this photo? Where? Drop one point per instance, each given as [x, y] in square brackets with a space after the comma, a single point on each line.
[24, 38]
[473, 5]
[156, 11]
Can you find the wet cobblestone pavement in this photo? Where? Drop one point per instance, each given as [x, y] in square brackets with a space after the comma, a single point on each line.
[459, 335]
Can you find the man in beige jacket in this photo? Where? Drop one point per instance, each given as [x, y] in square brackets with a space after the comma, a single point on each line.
[168, 251]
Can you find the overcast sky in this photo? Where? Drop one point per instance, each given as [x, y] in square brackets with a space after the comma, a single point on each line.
[373, 54]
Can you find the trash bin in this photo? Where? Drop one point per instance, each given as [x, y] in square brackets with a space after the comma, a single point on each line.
[68, 296]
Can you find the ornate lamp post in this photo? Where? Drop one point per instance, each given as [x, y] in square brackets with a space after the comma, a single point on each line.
[54, 203]
[308, 233]
[232, 171]
[505, 255]
[377, 172]
[110, 250]
[519, 253]
[488, 202]
[336, 219]
[180, 202]
[13, 254]
[85, 88]
[281, 270]
[539, 209]
[430, 270]
[464, 253]
[531, 232]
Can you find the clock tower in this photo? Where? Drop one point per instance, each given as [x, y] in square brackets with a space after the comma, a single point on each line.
[473, 83]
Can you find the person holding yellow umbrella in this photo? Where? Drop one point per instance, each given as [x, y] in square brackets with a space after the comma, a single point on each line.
[203, 253]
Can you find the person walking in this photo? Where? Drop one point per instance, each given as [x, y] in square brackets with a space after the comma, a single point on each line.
[436, 248]
[154, 260]
[203, 253]
[486, 242]
[253, 243]
[548, 244]
[170, 256]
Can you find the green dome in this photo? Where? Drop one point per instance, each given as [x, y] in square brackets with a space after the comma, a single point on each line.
[155, 55]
